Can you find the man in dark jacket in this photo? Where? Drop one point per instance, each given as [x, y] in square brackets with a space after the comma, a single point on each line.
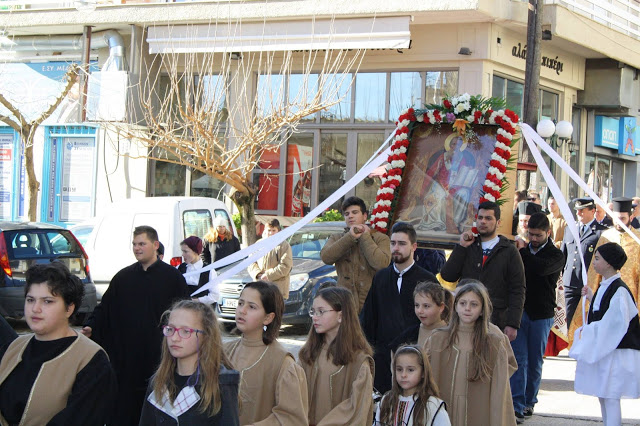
[388, 309]
[126, 322]
[589, 231]
[542, 265]
[494, 260]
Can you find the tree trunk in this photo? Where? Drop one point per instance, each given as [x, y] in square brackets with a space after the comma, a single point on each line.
[245, 203]
[32, 183]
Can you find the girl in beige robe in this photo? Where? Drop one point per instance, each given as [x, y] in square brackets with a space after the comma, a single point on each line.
[337, 361]
[472, 361]
[273, 388]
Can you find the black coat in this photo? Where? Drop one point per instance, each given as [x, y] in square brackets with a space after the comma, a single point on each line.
[502, 274]
[219, 249]
[386, 313]
[541, 272]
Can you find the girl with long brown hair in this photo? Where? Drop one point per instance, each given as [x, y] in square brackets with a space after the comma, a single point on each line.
[337, 361]
[273, 388]
[194, 383]
[413, 398]
[472, 361]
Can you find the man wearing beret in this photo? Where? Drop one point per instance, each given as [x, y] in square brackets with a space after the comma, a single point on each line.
[630, 272]
[589, 231]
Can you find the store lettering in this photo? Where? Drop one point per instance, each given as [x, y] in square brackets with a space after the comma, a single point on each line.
[520, 51]
[610, 135]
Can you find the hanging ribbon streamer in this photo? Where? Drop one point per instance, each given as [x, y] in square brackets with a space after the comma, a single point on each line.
[532, 138]
[259, 249]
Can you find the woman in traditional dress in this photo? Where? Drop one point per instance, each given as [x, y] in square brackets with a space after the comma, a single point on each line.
[337, 361]
[273, 388]
[191, 249]
[56, 357]
[472, 361]
[194, 384]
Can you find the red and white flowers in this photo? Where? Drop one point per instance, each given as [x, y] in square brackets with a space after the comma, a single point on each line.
[461, 112]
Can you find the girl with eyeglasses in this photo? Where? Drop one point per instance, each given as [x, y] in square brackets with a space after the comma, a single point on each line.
[273, 388]
[337, 361]
[413, 398]
[194, 383]
[472, 361]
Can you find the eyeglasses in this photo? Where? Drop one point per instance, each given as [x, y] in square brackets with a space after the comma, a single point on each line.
[183, 332]
[314, 313]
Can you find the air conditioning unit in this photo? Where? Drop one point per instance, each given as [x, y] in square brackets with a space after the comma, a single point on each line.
[107, 96]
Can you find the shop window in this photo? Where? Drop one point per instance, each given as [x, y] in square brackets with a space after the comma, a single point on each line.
[337, 86]
[169, 179]
[368, 144]
[370, 97]
[405, 91]
[548, 106]
[268, 185]
[203, 185]
[511, 91]
[598, 176]
[299, 177]
[440, 83]
[270, 94]
[212, 93]
[333, 165]
[270, 158]
[302, 89]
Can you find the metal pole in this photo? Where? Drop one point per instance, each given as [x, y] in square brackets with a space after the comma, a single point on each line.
[84, 76]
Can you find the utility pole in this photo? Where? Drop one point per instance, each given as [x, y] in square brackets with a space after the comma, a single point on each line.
[532, 74]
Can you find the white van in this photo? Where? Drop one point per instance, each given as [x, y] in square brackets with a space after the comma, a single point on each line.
[175, 218]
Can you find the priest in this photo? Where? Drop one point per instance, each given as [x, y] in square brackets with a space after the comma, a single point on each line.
[388, 309]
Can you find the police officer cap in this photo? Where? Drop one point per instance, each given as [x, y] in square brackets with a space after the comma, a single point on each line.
[583, 203]
[613, 254]
[528, 208]
[622, 204]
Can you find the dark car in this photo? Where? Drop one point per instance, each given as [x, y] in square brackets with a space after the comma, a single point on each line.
[308, 273]
[23, 244]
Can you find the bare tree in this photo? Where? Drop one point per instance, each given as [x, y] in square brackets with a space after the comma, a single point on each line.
[27, 130]
[187, 118]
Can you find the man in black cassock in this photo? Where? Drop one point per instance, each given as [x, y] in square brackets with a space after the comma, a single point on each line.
[388, 309]
[127, 321]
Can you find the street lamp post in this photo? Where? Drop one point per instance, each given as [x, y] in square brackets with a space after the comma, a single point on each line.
[556, 133]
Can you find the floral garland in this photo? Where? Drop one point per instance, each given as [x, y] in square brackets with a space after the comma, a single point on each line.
[461, 112]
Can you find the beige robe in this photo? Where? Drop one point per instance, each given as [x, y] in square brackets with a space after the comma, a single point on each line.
[480, 403]
[340, 394]
[630, 272]
[425, 332]
[273, 388]
[276, 265]
[558, 225]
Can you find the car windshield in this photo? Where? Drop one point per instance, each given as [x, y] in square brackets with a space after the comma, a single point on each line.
[308, 243]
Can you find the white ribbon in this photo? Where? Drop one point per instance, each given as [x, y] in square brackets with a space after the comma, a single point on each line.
[260, 248]
[532, 138]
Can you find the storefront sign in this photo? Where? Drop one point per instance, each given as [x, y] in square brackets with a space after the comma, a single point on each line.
[77, 178]
[6, 175]
[520, 51]
[617, 133]
[607, 132]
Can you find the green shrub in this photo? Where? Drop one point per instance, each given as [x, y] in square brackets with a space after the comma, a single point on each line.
[330, 216]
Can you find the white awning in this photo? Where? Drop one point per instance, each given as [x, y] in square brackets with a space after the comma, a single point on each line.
[319, 34]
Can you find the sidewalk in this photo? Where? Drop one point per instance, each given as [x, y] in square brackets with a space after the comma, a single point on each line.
[559, 405]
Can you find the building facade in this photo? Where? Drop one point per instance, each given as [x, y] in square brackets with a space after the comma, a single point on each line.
[415, 54]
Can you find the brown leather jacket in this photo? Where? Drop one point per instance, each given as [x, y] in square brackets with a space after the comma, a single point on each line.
[357, 260]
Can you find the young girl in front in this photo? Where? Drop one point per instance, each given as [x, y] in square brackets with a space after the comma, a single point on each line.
[607, 348]
[273, 388]
[337, 361]
[432, 305]
[413, 398]
[194, 383]
[472, 361]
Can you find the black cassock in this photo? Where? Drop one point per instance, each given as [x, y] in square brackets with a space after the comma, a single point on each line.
[127, 325]
[387, 313]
